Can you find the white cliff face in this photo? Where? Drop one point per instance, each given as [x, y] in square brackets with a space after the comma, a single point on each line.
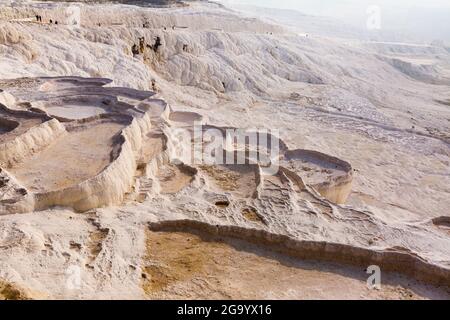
[374, 116]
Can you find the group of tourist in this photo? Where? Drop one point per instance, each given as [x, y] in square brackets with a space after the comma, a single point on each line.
[39, 19]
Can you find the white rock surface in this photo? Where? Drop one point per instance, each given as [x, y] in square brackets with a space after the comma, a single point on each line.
[379, 106]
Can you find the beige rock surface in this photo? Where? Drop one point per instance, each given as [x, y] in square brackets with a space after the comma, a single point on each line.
[91, 163]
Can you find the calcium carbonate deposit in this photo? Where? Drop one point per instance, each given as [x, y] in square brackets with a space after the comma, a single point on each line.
[187, 150]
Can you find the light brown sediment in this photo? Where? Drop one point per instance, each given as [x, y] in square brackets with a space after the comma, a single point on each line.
[390, 259]
[10, 291]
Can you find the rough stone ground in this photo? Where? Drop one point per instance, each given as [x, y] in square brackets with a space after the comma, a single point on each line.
[188, 266]
[380, 106]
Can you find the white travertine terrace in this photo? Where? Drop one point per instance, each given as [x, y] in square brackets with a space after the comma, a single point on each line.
[91, 164]
[310, 176]
[110, 186]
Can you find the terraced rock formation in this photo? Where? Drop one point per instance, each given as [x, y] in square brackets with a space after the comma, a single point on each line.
[353, 170]
[48, 147]
[74, 142]
[82, 162]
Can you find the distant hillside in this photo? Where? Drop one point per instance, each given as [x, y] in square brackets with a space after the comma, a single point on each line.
[154, 2]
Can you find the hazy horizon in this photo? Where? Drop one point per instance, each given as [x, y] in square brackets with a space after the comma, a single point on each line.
[425, 19]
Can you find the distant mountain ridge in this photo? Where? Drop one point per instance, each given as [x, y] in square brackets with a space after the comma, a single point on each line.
[155, 2]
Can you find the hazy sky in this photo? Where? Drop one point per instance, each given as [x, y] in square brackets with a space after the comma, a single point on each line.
[427, 18]
[329, 5]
